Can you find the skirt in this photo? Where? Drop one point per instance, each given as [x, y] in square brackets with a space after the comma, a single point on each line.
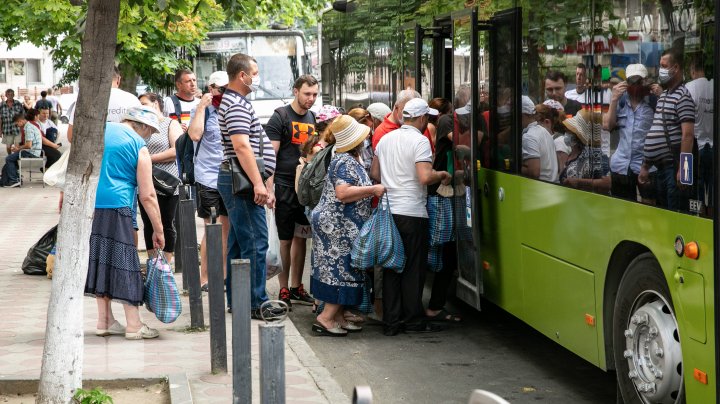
[114, 267]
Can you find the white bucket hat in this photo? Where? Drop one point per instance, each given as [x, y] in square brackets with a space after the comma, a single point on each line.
[348, 133]
[143, 114]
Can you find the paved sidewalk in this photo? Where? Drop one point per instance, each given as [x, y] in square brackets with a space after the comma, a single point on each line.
[29, 212]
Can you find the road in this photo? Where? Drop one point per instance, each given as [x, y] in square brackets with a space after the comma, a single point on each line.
[491, 350]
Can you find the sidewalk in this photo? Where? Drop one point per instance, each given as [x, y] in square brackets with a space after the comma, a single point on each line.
[30, 212]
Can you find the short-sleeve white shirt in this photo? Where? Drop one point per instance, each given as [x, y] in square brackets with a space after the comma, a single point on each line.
[537, 143]
[397, 153]
[118, 104]
[701, 91]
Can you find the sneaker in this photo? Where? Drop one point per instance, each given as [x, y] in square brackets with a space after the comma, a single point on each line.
[299, 295]
[269, 313]
[15, 185]
[285, 296]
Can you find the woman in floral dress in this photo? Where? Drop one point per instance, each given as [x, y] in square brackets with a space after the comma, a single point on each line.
[336, 222]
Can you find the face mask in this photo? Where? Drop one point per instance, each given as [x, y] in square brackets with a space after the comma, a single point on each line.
[254, 85]
[664, 75]
[637, 91]
[216, 99]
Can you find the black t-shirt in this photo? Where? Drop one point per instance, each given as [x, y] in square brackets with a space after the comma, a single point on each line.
[572, 107]
[43, 104]
[292, 130]
[443, 148]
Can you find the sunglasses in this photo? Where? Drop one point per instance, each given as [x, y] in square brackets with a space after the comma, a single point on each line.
[634, 80]
[221, 89]
[362, 118]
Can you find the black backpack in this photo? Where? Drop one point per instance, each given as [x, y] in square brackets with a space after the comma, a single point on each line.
[185, 151]
[312, 178]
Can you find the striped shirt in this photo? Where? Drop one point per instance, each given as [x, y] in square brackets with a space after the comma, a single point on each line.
[673, 109]
[236, 116]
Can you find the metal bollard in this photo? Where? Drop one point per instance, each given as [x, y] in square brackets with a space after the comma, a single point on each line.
[178, 239]
[272, 363]
[214, 254]
[241, 365]
[191, 266]
[362, 395]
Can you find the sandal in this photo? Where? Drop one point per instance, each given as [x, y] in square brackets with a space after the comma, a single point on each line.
[353, 318]
[144, 332]
[337, 331]
[115, 329]
[349, 326]
[444, 315]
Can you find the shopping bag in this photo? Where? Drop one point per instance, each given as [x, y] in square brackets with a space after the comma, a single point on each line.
[55, 175]
[273, 261]
[434, 260]
[161, 293]
[379, 241]
[440, 215]
[35, 262]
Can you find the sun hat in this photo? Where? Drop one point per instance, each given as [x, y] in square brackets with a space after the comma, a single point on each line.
[348, 133]
[218, 79]
[378, 110]
[326, 112]
[143, 114]
[418, 107]
[585, 126]
[636, 69]
[528, 106]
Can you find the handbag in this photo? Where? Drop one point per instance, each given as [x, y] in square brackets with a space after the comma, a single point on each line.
[241, 184]
[165, 182]
[55, 175]
[440, 217]
[161, 293]
[378, 242]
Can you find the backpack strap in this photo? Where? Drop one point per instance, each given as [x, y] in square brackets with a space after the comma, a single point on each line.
[178, 108]
[207, 113]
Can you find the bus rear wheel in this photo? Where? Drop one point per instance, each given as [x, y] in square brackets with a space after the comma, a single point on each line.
[646, 340]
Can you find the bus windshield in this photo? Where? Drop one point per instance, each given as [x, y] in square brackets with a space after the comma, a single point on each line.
[279, 59]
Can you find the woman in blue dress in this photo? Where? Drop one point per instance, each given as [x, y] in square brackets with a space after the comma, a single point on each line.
[336, 222]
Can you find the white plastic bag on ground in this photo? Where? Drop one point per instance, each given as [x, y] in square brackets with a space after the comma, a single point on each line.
[55, 175]
[273, 262]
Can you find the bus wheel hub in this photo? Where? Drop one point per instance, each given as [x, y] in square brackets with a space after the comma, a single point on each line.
[653, 352]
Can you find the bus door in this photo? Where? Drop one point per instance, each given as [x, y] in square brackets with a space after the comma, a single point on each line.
[432, 58]
[485, 74]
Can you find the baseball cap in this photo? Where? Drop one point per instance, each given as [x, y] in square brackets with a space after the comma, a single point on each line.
[143, 114]
[417, 107]
[378, 110]
[528, 107]
[636, 69]
[218, 79]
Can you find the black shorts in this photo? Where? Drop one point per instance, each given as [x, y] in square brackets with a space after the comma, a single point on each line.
[288, 212]
[209, 198]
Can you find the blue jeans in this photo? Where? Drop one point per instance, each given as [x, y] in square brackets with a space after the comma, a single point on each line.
[10, 170]
[248, 239]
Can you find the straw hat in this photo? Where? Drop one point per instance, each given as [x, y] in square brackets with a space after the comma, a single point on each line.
[586, 126]
[348, 133]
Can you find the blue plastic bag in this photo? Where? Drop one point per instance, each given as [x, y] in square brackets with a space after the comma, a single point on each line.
[440, 215]
[379, 242]
[161, 293]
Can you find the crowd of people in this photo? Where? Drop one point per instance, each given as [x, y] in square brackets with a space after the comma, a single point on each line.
[566, 142]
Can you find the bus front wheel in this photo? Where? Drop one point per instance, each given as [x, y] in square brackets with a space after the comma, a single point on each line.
[646, 340]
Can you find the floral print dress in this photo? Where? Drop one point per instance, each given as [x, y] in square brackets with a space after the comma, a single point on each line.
[335, 225]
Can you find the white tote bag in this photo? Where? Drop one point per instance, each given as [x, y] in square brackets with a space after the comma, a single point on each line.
[55, 175]
[273, 262]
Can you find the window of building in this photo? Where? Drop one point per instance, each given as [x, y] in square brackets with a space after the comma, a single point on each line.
[3, 71]
[33, 71]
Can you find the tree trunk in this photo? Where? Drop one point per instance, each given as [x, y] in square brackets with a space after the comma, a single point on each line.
[130, 78]
[62, 361]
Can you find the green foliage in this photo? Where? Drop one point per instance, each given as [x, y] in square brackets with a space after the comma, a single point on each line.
[94, 396]
[150, 32]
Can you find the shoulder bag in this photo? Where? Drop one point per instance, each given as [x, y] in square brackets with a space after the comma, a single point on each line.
[241, 184]
[165, 182]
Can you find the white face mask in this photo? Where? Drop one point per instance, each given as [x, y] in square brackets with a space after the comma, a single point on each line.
[254, 85]
[664, 75]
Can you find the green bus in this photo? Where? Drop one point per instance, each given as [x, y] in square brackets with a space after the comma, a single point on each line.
[626, 284]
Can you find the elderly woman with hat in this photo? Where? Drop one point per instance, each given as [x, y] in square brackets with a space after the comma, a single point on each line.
[114, 268]
[336, 222]
[587, 167]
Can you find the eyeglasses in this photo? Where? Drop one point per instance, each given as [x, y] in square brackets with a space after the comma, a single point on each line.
[634, 80]
[362, 118]
[221, 89]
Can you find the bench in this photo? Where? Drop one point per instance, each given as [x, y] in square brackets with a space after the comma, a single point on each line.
[30, 162]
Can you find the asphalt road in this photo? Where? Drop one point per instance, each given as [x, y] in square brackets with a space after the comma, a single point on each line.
[491, 350]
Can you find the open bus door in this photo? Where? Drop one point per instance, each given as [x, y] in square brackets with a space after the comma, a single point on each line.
[484, 58]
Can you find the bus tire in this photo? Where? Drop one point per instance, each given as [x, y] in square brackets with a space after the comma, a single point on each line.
[646, 341]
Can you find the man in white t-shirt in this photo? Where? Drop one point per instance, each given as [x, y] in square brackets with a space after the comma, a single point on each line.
[538, 148]
[186, 98]
[701, 91]
[403, 164]
[118, 104]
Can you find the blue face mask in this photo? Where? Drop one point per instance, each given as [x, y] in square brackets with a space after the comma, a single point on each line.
[664, 75]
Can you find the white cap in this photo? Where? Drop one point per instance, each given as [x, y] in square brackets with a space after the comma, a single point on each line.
[378, 110]
[218, 79]
[417, 107]
[143, 114]
[636, 70]
[528, 107]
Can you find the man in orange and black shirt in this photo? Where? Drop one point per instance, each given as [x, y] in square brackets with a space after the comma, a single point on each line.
[288, 128]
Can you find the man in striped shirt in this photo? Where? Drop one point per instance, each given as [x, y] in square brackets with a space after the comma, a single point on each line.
[244, 138]
[671, 133]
